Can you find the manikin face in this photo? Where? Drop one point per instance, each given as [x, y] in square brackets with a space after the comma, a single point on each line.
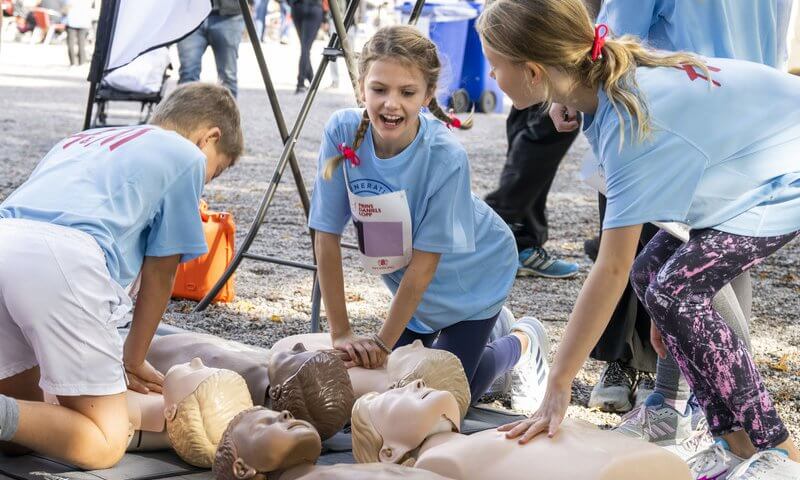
[394, 93]
[404, 417]
[267, 440]
[516, 80]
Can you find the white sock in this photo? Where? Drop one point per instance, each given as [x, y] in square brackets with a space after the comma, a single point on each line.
[9, 418]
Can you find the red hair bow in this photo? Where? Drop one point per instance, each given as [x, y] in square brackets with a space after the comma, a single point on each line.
[349, 154]
[454, 122]
[600, 34]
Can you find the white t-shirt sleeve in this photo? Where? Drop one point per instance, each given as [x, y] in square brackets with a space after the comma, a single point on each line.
[330, 208]
[177, 227]
[650, 181]
[448, 219]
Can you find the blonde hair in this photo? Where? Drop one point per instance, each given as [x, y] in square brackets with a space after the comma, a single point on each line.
[202, 417]
[560, 34]
[405, 44]
[202, 105]
[439, 369]
[367, 442]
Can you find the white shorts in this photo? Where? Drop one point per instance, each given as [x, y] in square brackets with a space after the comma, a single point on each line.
[59, 309]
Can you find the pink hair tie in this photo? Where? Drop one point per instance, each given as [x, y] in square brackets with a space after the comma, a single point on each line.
[349, 154]
[600, 34]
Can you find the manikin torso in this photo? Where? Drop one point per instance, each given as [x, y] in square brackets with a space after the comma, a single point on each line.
[252, 363]
[578, 450]
[412, 417]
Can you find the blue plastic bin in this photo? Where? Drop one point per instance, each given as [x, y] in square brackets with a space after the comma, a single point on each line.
[446, 24]
[475, 77]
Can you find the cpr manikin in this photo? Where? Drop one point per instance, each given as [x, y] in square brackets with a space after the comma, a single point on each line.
[415, 425]
[438, 368]
[199, 402]
[260, 443]
[313, 385]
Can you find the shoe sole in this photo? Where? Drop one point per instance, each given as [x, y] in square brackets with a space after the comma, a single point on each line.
[612, 407]
[521, 272]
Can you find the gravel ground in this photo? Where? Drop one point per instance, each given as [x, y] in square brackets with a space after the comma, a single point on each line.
[42, 100]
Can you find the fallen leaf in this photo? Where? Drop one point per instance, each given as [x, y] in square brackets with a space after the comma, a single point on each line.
[781, 365]
[276, 318]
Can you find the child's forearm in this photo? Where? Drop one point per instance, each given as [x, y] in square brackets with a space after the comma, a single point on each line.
[596, 302]
[331, 282]
[158, 275]
[415, 282]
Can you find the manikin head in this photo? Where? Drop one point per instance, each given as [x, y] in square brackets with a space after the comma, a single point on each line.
[259, 440]
[439, 369]
[387, 426]
[199, 402]
[313, 386]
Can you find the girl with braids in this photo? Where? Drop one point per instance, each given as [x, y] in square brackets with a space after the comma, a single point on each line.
[680, 139]
[402, 177]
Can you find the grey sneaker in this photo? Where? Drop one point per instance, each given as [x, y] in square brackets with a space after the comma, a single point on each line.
[530, 374]
[714, 463]
[645, 385]
[612, 393]
[502, 384]
[658, 423]
[772, 464]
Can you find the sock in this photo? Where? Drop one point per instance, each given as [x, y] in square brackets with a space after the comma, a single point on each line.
[671, 384]
[9, 418]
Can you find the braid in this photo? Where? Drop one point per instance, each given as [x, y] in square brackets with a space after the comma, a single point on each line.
[334, 162]
[437, 112]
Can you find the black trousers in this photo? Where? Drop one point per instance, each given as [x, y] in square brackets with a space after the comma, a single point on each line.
[627, 336]
[535, 150]
[307, 18]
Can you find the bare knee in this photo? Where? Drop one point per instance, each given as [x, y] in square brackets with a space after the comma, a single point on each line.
[103, 443]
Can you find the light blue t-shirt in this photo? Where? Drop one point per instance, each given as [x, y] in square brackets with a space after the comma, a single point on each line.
[479, 255]
[134, 189]
[725, 156]
[752, 30]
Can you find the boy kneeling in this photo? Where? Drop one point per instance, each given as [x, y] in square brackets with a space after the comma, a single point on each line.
[102, 207]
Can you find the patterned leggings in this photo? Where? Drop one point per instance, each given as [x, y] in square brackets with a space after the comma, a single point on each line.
[676, 282]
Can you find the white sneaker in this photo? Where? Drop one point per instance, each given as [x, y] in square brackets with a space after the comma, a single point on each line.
[714, 463]
[772, 464]
[530, 374]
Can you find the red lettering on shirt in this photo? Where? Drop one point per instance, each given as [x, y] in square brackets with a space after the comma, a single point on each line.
[121, 135]
[367, 209]
[693, 75]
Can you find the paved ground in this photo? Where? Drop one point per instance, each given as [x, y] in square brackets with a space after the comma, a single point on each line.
[43, 100]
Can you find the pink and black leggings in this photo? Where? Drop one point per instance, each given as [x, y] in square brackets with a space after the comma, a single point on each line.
[676, 282]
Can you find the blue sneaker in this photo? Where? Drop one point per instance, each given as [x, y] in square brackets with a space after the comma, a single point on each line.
[535, 261]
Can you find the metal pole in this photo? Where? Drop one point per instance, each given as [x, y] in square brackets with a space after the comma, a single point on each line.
[274, 103]
[347, 51]
[288, 149]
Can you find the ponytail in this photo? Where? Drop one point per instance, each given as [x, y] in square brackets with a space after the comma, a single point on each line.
[334, 162]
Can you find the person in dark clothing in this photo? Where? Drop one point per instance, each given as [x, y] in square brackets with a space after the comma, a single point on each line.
[535, 150]
[222, 30]
[307, 17]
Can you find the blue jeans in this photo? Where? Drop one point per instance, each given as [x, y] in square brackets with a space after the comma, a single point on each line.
[223, 34]
[259, 17]
[285, 11]
[467, 340]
